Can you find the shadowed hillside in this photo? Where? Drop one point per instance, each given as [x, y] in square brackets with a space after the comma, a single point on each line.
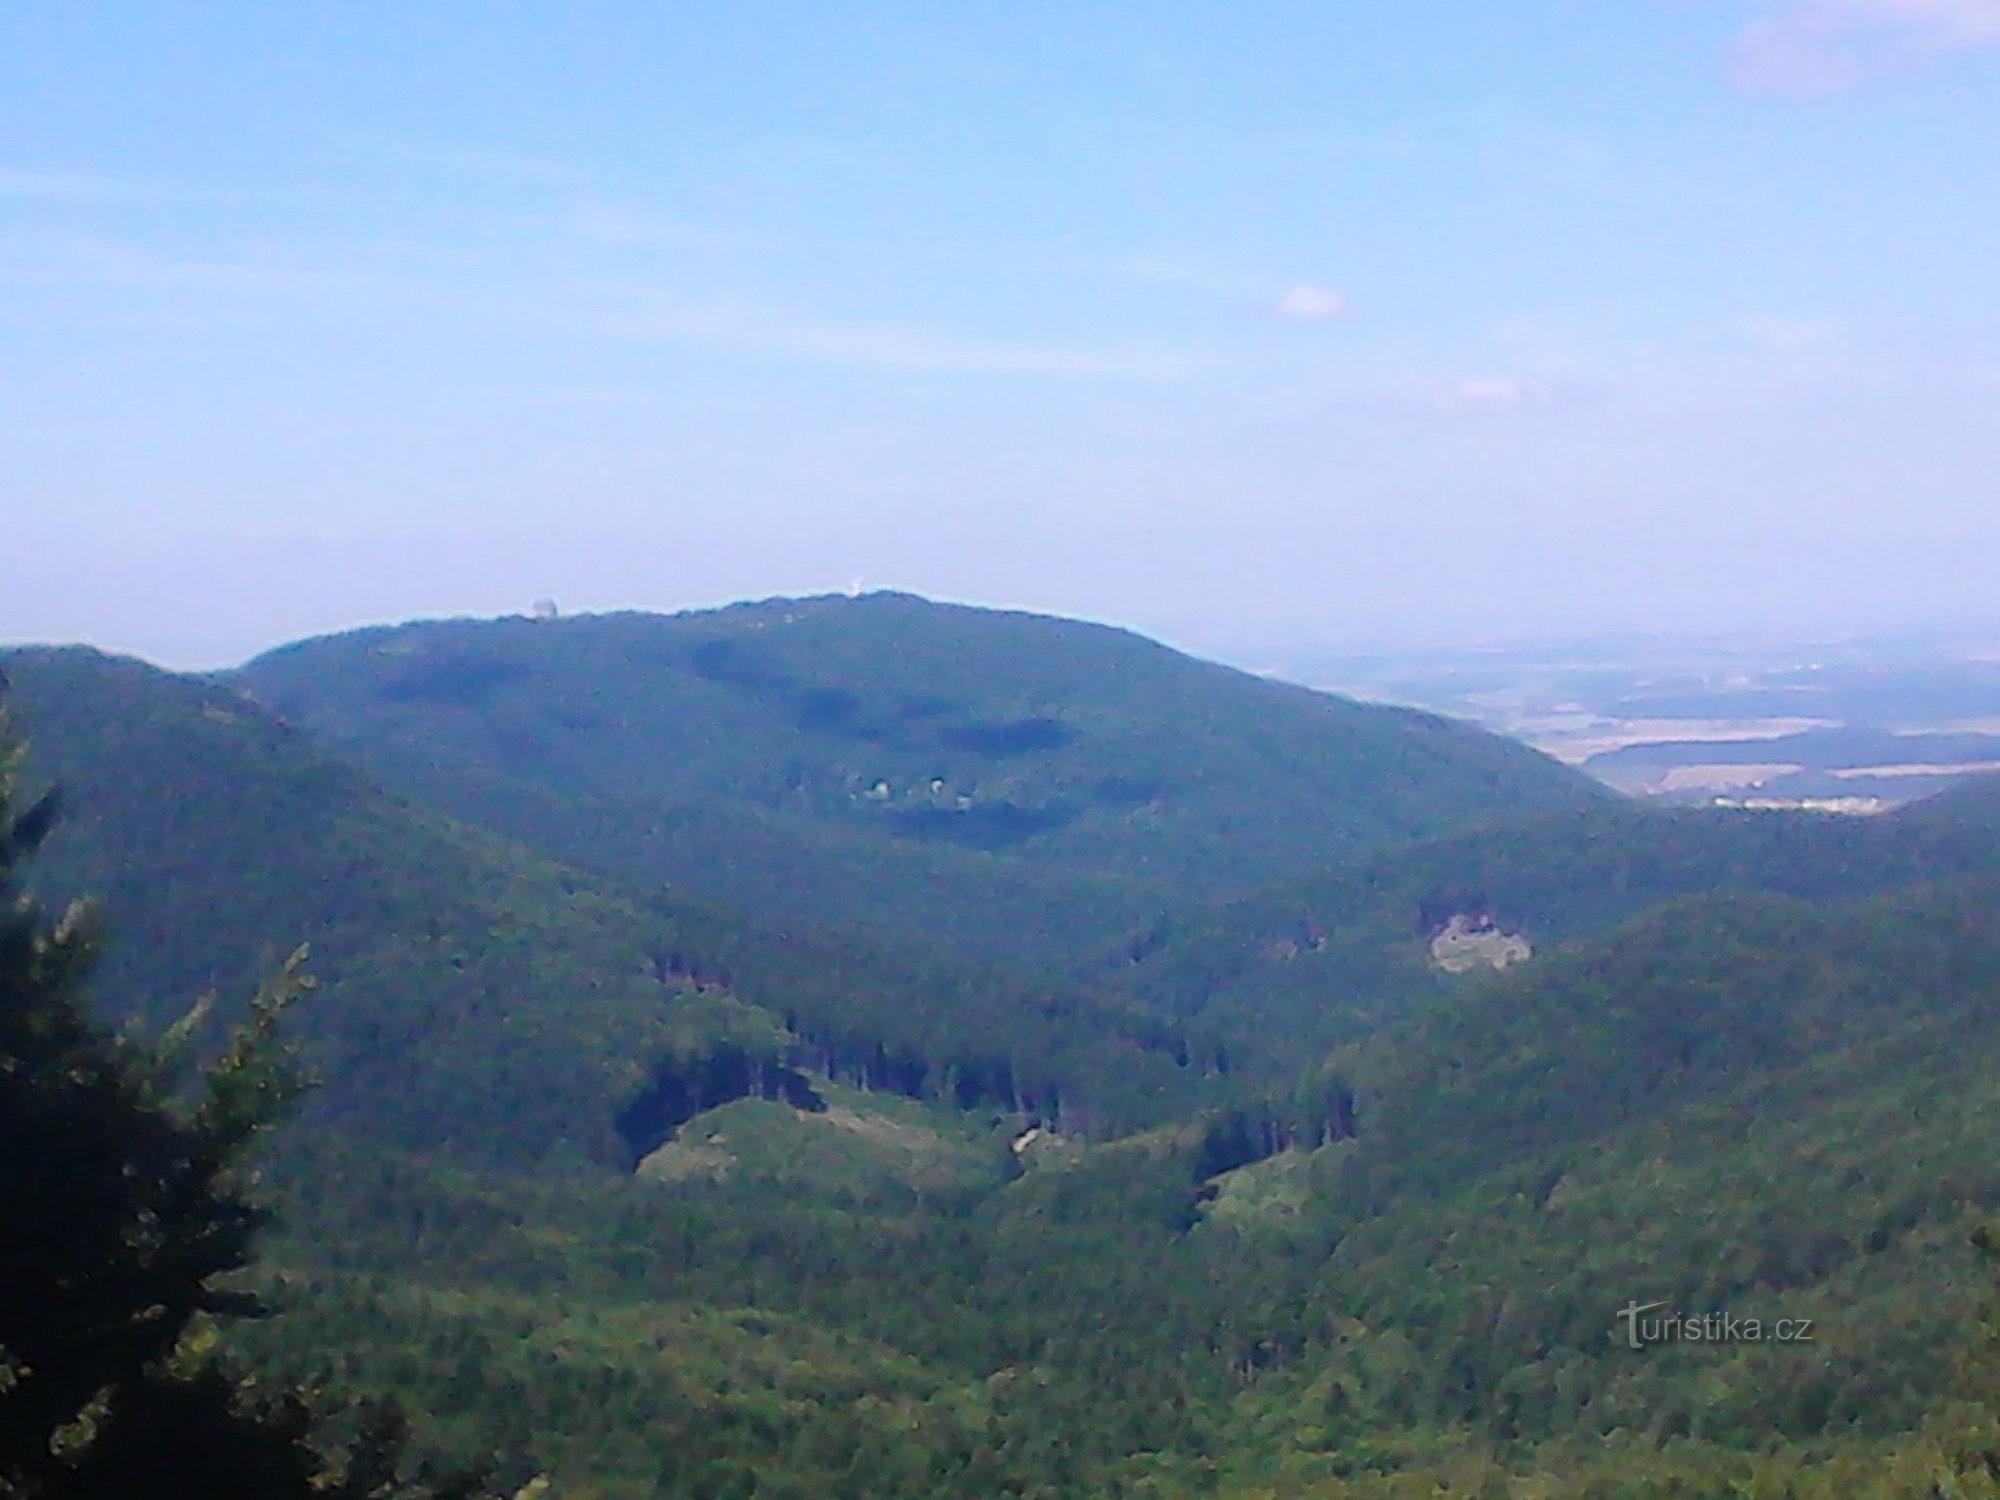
[476, 997]
[1328, 956]
[998, 781]
[682, 1195]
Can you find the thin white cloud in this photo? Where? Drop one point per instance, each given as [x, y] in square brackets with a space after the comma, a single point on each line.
[646, 312]
[646, 315]
[1301, 301]
[1964, 22]
[1474, 396]
[1814, 47]
[81, 187]
[1187, 274]
[614, 227]
[1308, 302]
[453, 161]
[46, 259]
[1788, 335]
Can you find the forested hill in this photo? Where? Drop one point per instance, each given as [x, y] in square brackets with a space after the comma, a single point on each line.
[1971, 808]
[212, 839]
[1323, 956]
[1734, 1102]
[991, 779]
[477, 998]
[679, 1198]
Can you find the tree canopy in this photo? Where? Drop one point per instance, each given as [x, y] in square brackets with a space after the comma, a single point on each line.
[128, 1208]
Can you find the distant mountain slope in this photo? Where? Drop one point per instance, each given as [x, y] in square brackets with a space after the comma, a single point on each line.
[1969, 810]
[1314, 959]
[1814, 748]
[479, 998]
[1850, 762]
[212, 839]
[1695, 997]
[1750, 1067]
[1735, 1104]
[989, 778]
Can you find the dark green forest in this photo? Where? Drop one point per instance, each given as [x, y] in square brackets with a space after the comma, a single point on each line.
[1006, 785]
[861, 1047]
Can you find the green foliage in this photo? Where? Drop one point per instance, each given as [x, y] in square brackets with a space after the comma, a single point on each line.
[446, 954]
[124, 1214]
[1314, 961]
[947, 1193]
[129, 1219]
[1001, 783]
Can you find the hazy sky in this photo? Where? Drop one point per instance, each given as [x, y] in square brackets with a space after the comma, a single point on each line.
[1399, 320]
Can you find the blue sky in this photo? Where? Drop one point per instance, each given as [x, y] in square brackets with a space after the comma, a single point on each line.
[1247, 325]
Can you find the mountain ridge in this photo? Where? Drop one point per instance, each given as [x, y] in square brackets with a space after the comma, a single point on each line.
[1248, 1197]
[1058, 777]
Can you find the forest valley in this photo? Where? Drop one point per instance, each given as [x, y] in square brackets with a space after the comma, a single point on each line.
[865, 1047]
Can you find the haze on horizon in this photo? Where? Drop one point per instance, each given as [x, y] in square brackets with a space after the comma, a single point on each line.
[1291, 323]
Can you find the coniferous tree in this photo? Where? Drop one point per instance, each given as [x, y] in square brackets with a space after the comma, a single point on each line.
[125, 1206]
[122, 1208]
